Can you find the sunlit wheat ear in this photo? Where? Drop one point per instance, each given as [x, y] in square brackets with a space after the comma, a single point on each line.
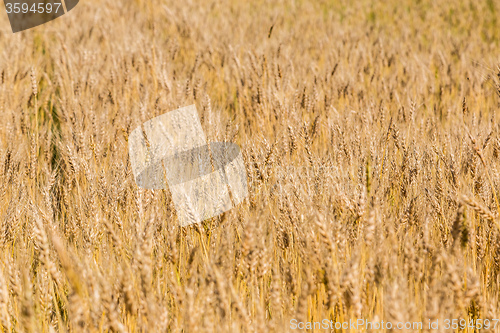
[111, 309]
[302, 303]
[320, 221]
[27, 318]
[42, 243]
[457, 229]
[34, 85]
[370, 228]
[221, 285]
[45, 294]
[162, 324]
[248, 247]
[14, 280]
[128, 291]
[145, 268]
[112, 233]
[76, 309]
[292, 141]
[239, 306]
[481, 210]
[4, 303]
[275, 297]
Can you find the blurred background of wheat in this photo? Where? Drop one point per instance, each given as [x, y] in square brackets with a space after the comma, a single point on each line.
[371, 138]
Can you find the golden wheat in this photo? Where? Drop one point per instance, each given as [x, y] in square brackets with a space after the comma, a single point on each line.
[370, 137]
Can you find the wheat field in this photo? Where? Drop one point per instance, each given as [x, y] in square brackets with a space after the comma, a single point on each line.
[371, 141]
